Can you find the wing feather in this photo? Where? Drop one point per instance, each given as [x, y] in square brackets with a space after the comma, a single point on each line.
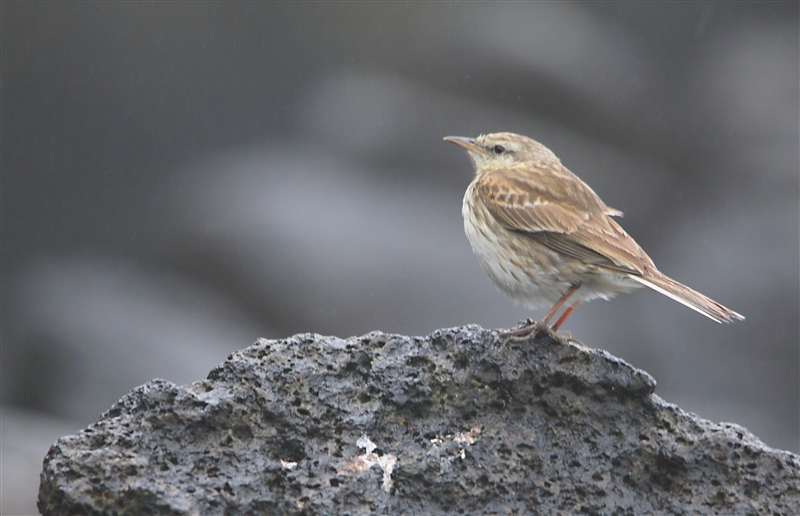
[574, 222]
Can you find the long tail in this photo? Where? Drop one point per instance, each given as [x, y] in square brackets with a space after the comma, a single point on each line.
[688, 297]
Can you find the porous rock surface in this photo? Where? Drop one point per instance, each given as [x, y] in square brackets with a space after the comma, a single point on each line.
[458, 422]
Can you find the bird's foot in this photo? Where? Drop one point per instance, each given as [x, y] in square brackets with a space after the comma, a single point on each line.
[523, 331]
[526, 331]
[570, 340]
[529, 328]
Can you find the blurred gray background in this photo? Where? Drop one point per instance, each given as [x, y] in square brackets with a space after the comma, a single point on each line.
[179, 179]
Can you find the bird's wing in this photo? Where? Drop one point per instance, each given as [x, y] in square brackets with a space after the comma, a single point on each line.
[582, 229]
[521, 206]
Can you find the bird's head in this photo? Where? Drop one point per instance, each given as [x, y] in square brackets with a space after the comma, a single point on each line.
[502, 150]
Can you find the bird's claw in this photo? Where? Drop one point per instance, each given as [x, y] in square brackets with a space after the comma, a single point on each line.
[529, 328]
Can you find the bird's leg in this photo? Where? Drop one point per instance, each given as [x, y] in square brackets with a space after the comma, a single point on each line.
[526, 330]
[556, 307]
[564, 315]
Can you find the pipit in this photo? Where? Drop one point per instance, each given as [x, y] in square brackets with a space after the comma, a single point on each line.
[544, 237]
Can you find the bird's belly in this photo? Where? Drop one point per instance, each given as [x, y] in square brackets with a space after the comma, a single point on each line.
[531, 282]
[530, 273]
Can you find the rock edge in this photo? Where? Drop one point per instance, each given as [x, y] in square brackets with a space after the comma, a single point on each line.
[457, 422]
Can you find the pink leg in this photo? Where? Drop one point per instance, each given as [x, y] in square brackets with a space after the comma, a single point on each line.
[565, 315]
[529, 328]
[556, 307]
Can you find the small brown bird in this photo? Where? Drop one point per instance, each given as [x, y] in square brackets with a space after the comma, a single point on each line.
[544, 237]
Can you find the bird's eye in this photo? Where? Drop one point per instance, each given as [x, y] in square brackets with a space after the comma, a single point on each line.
[498, 149]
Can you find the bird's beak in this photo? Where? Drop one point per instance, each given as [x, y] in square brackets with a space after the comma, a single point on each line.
[467, 143]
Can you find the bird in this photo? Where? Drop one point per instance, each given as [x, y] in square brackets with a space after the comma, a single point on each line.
[544, 237]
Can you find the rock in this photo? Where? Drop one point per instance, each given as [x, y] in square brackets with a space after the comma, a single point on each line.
[454, 423]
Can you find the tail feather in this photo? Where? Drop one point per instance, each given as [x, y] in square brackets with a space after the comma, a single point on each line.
[688, 297]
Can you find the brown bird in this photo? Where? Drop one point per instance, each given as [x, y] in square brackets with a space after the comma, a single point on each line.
[544, 237]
